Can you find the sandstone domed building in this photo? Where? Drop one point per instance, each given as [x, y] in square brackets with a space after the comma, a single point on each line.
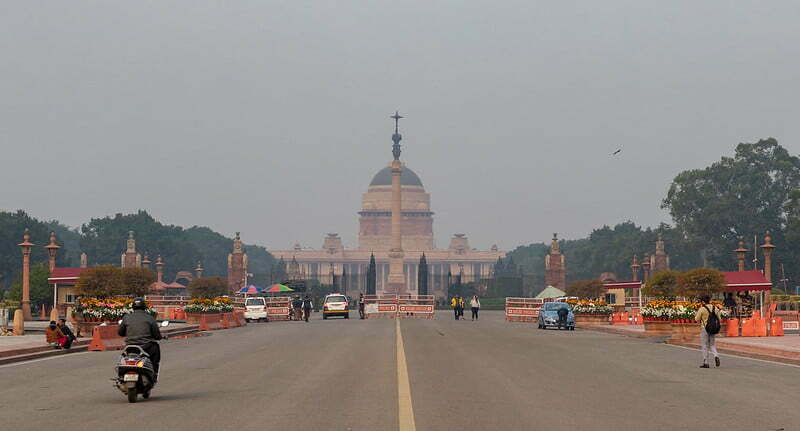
[375, 236]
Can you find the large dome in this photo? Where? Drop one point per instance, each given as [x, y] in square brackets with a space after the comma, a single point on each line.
[384, 178]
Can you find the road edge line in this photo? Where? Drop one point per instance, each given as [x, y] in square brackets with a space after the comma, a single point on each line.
[405, 408]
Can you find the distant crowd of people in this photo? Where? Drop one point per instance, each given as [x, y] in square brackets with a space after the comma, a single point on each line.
[740, 306]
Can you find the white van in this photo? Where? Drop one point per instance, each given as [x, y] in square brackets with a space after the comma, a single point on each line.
[255, 309]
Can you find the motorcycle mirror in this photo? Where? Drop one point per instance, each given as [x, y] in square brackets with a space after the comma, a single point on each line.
[165, 323]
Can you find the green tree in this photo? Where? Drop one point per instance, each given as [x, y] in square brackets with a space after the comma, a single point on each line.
[41, 292]
[100, 282]
[136, 281]
[208, 287]
[736, 197]
[663, 285]
[586, 289]
[12, 227]
[700, 282]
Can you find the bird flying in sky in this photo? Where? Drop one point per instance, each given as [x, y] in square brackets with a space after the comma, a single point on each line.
[616, 152]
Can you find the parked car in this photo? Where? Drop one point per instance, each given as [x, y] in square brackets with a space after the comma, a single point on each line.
[548, 316]
[335, 304]
[255, 309]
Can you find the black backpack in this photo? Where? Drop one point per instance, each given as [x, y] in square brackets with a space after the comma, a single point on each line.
[712, 324]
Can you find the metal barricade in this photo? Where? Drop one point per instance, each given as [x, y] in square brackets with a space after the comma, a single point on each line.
[376, 306]
[415, 306]
[523, 309]
[278, 307]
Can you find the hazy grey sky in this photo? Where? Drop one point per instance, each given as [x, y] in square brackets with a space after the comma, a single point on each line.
[271, 117]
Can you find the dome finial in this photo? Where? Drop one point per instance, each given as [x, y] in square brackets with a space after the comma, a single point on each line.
[396, 137]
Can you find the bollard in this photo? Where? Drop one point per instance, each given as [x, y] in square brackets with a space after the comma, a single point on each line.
[19, 323]
[42, 313]
[70, 317]
[54, 314]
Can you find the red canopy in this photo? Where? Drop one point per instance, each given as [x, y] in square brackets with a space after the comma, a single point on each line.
[746, 280]
[622, 284]
[64, 275]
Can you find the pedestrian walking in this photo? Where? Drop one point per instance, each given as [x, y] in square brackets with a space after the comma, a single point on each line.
[461, 306]
[709, 318]
[475, 305]
[54, 336]
[297, 308]
[307, 305]
[361, 306]
[62, 325]
[454, 303]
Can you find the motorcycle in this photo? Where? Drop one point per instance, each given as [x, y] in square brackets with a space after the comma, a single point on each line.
[135, 373]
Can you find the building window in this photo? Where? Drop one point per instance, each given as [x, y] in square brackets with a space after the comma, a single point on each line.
[611, 298]
[69, 298]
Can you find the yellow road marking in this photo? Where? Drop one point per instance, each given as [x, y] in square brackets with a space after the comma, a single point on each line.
[405, 408]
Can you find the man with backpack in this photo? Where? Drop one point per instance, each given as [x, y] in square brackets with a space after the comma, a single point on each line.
[709, 317]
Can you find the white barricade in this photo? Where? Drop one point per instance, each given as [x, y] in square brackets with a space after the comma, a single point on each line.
[523, 309]
[416, 306]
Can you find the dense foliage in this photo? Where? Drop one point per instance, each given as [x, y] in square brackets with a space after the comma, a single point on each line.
[41, 292]
[663, 285]
[12, 227]
[208, 287]
[700, 282]
[586, 289]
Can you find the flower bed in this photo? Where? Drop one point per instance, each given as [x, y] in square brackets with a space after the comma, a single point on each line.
[204, 305]
[678, 312]
[585, 307]
[104, 310]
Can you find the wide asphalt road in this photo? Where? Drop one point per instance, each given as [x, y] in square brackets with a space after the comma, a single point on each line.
[421, 374]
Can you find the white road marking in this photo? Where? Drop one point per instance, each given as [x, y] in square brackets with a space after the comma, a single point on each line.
[404, 404]
[42, 359]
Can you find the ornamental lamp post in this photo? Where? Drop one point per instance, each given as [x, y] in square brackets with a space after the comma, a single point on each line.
[26, 246]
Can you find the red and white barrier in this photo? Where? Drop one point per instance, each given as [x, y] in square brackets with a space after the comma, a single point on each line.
[523, 309]
[415, 306]
[278, 307]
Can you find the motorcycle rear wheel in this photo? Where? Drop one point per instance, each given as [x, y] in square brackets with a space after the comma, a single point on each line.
[146, 394]
[132, 395]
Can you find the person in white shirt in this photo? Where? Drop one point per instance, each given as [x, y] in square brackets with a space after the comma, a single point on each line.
[475, 304]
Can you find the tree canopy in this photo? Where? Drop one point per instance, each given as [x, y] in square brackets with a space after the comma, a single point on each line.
[700, 282]
[40, 291]
[663, 285]
[208, 287]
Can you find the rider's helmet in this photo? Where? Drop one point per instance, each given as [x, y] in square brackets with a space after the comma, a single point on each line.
[139, 304]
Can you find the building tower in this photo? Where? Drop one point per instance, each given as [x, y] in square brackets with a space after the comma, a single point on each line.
[146, 262]
[396, 282]
[198, 270]
[660, 260]
[84, 260]
[555, 267]
[52, 252]
[237, 265]
[131, 259]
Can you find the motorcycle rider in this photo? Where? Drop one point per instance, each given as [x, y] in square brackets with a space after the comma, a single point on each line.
[141, 329]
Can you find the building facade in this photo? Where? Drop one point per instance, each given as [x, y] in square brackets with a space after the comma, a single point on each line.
[415, 228]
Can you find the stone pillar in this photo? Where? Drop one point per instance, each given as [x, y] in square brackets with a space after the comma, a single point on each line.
[198, 271]
[19, 322]
[635, 268]
[84, 260]
[646, 268]
[26, 246]
[159, 269]
[52, 252]
[237, 265]
[555, 266]
[660, 260]
[741, 254]
[396, 283]
[146, 261]
[767, 249]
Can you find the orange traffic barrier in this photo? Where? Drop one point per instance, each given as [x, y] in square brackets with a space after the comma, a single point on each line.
[619, 319]
[226, 321]
[760, 327]
[733, 328]
[105, 338]
[756, 314]
[239, 314]
[776, 327]
[748, 328]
